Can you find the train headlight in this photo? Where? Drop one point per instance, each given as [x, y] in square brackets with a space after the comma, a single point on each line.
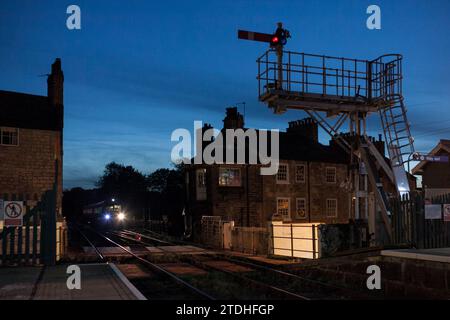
[121, 216]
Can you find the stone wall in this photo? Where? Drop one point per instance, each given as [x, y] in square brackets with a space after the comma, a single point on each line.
[28, 170]
[254, 203]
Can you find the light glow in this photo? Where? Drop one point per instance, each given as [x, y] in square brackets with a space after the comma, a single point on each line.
[121, 216]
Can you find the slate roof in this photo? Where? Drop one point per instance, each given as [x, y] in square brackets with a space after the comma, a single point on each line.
[22, 110]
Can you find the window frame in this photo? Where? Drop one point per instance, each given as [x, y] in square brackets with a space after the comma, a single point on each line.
[227, 185]
[289, 215]
[305, 208]
[17, 137]
[203, 195]
[335, 209]
[287, 174]
[304, 173]
[335, 175]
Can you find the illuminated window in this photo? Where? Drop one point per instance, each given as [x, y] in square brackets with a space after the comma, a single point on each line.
[330, 174]
[230, 177]
[301, 208]
[331, 208]
[300, 173]
[283, 174]
[284, 208]
[201, 184]
[9, 136]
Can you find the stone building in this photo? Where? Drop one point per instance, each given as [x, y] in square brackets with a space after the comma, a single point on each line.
[31, 142]
[311, 185]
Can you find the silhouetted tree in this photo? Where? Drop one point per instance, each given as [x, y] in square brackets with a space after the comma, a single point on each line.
[167, 185]
[126, 184]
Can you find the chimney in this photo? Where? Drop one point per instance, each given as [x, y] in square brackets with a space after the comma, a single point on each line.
[380, 145]
[306, 128]
[233, 119]
[55, 84]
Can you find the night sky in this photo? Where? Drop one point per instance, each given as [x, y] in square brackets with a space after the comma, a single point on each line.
[137, 70]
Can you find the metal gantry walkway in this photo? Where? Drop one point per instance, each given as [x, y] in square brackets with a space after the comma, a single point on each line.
[345, 89]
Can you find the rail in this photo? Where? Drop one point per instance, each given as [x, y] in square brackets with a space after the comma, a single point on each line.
[157, 268]
[347, 291]
[362, 81]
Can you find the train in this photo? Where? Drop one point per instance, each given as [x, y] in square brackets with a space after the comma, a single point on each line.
[107, 212]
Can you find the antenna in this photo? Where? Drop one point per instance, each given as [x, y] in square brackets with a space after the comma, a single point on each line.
[241, 103]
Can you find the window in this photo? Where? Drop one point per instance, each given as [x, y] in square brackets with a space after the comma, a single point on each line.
[229, 177]
[284, 208]
[201, 184]
[300, 173]
[301, 208]
[9, 136]
[330, 174]
[331, 208]
[283, 174]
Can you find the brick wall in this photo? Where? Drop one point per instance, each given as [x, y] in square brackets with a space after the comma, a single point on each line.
[28, 170]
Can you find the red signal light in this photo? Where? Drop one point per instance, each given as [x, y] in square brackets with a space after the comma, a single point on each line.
[275, 40]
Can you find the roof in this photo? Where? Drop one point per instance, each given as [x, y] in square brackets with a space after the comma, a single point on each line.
[442, 146]
[300, 148]
[297, 147]
[22, 110]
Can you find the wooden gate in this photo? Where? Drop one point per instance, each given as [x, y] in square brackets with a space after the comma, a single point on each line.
[212, 231]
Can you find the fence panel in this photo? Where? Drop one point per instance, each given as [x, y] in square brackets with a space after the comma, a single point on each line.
[250, 240]
[410, 226]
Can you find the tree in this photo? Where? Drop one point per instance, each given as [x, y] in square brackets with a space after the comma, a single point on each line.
[167, 185]
[126, 184]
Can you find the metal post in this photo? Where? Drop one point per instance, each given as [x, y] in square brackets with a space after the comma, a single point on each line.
[280, 67]
[314, 240]
[292, 241]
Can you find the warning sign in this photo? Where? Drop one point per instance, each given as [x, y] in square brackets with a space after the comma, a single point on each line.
[433, 211]
[447, 212]
[13, 212]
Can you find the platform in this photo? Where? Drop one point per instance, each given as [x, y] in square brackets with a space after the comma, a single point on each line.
[98, 282]
[435, 255]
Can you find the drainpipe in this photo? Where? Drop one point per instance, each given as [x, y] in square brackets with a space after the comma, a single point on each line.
[309, 191]
[247, 196]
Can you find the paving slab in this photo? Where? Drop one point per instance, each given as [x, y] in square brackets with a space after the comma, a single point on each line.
[99, 281]
[18, 283]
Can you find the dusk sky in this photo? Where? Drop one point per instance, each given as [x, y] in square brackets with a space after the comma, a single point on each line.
[137, 70]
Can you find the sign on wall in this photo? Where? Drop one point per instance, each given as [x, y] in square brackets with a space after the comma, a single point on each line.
[433, 211]
[447, 212]
[13, 213]
[430, 158]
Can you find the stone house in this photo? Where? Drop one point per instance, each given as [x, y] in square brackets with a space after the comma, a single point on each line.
[31, 142]
[311, 185]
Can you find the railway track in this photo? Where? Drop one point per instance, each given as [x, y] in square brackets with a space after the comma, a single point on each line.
[220, 270]
[155, 268]
[270, 291]
[291, 285]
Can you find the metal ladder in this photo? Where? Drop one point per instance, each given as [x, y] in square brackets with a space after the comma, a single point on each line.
[396, 127]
